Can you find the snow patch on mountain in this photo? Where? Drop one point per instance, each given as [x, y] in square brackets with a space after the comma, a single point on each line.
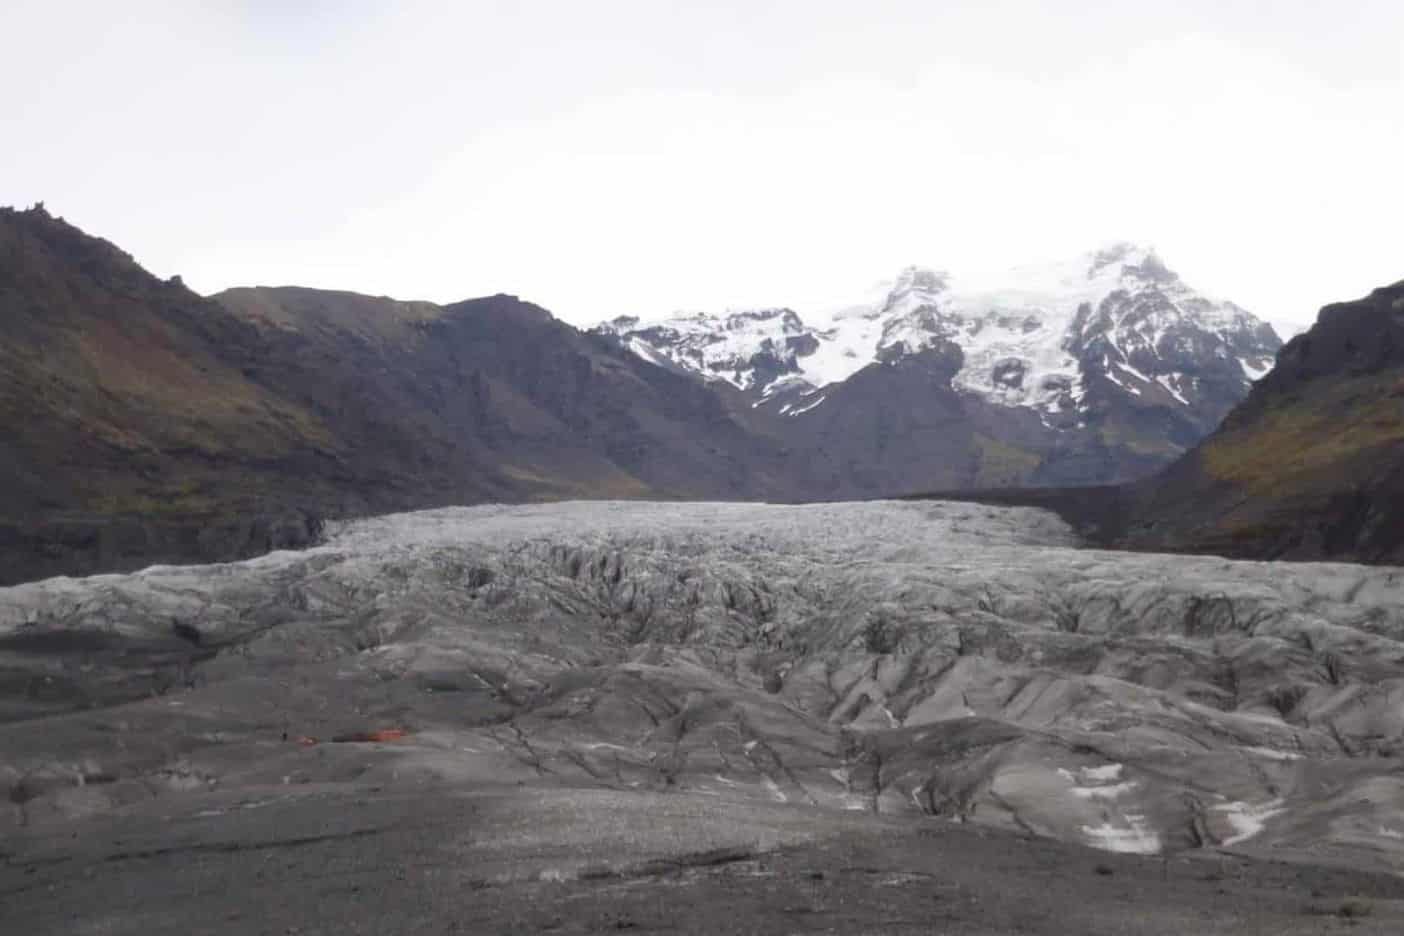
[1249, 819]
[1255, 370]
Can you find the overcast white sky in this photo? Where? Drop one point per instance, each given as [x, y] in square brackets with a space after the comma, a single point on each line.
[604, 158]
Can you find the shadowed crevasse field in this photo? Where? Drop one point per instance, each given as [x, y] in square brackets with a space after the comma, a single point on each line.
[877, 717]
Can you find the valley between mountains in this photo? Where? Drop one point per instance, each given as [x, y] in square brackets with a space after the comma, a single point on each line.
[662, 665]
[144, 423]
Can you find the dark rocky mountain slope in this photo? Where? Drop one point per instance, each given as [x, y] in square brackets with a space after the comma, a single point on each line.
[142, 422]
[1311, 465]
[127, 422]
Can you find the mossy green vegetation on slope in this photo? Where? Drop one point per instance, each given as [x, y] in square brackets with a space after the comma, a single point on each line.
[1309, 439]
[1311, 465]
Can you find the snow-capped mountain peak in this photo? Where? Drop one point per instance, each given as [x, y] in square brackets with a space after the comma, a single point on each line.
[1050, 337]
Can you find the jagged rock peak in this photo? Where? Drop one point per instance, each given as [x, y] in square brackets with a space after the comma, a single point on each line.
[920, 280]
[1134, 261]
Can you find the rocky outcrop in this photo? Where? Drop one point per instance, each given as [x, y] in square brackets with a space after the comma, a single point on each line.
[76, 546]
